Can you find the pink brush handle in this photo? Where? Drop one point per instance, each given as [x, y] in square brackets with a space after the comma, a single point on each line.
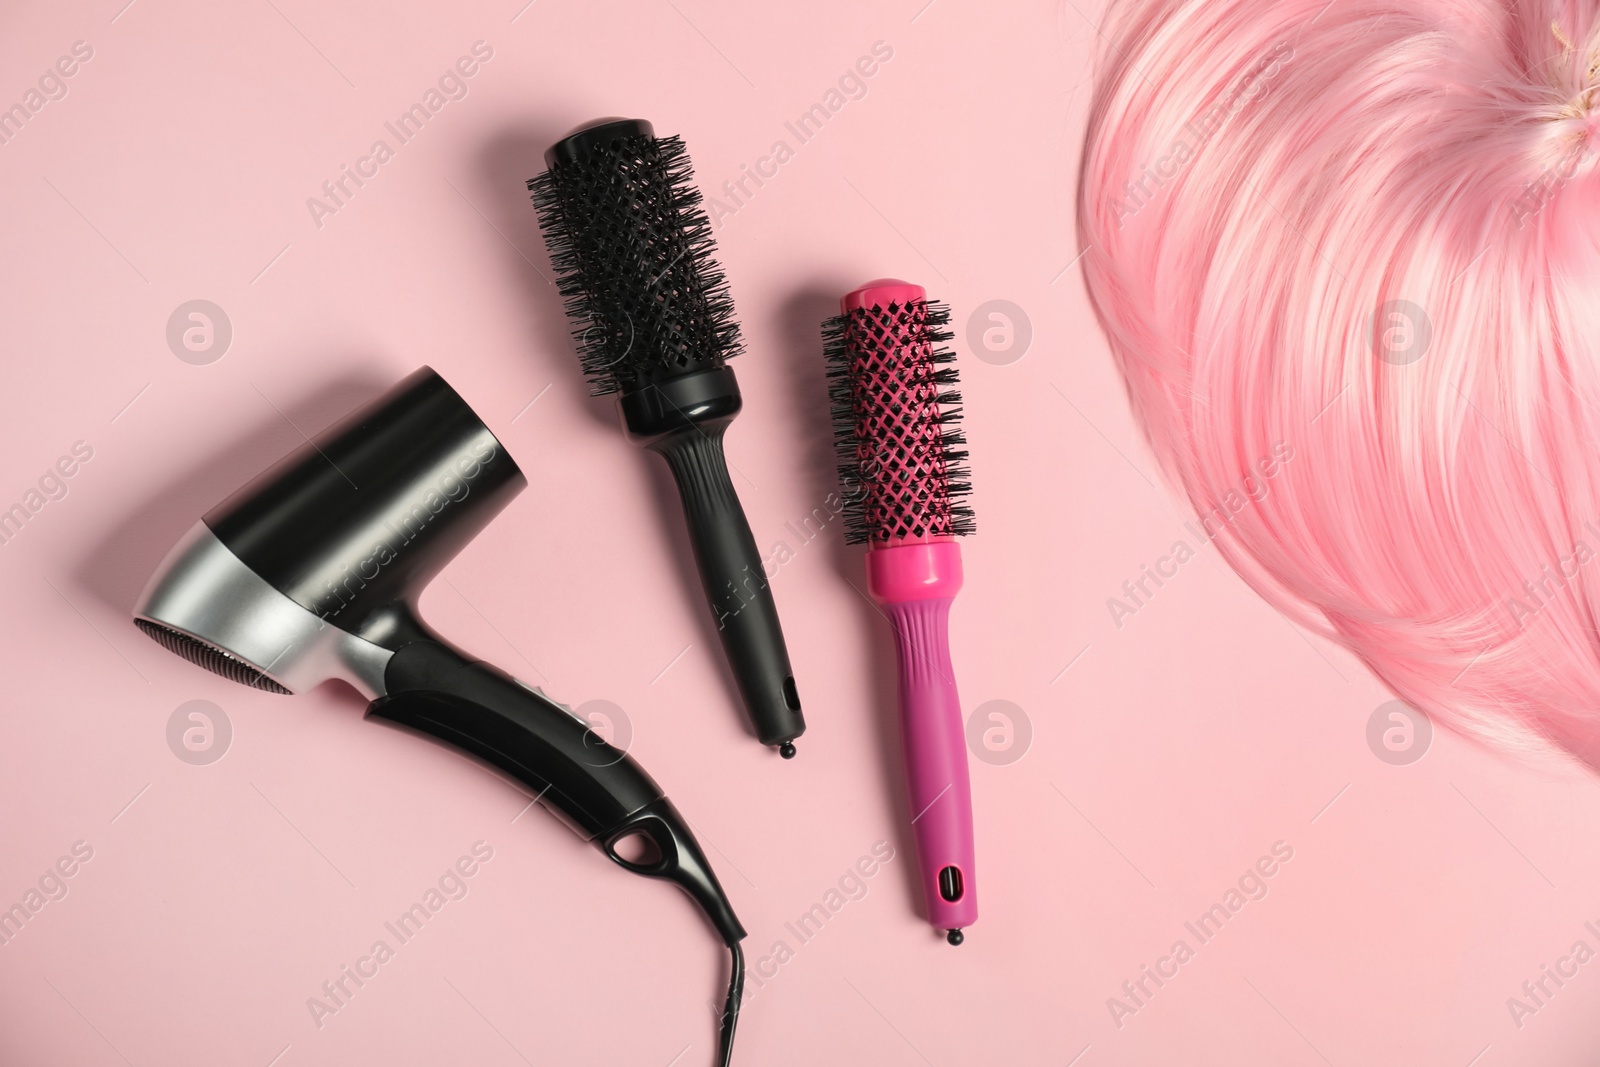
[915, 582]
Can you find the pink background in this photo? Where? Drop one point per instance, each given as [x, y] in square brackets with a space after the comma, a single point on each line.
[1168, 754]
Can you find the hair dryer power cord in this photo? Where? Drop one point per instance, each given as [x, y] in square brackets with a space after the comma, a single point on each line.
[730, 1010]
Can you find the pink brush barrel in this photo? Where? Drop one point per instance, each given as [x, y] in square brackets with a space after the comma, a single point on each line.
[895, 425]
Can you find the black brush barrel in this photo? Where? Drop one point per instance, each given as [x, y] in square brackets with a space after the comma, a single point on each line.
[633, 254]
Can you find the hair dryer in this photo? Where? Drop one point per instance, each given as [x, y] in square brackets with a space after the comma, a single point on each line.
[313, 571]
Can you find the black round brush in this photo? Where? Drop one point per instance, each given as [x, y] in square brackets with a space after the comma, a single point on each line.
[650, 310]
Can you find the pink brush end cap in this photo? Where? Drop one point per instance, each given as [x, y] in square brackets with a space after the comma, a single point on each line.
[881, 292]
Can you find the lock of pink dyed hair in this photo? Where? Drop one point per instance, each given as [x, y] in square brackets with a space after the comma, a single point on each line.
[1367, 233]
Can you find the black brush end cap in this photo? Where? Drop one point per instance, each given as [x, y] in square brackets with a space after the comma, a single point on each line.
[577, 145]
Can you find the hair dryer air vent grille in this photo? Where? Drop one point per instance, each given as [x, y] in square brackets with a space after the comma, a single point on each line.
[208, 656]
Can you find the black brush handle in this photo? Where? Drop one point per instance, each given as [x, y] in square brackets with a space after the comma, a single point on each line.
[736, 583]
[683, 417]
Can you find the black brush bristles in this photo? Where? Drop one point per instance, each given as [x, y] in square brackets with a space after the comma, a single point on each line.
[632, 251]
[896, 423]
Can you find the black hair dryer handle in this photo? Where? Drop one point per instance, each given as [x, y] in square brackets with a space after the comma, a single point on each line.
[596, 789]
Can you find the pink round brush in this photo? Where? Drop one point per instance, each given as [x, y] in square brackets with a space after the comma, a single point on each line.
[899, 461]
